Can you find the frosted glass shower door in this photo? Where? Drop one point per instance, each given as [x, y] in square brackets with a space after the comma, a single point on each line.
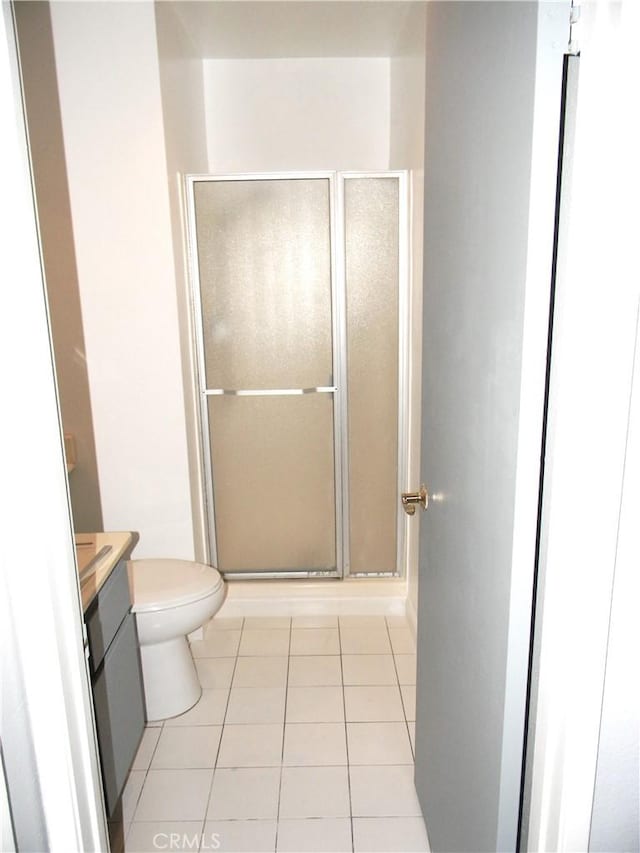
[266, 314]
[372, 288]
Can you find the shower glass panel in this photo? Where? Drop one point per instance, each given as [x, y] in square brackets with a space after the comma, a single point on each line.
[264, 263]
[264, 254]
[371, 215]
[274, 488]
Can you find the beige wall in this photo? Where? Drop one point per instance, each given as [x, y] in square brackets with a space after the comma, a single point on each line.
[111, 106]
[297, 114]
[56, 234]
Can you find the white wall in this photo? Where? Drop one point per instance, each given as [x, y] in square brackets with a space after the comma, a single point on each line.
[111, 109]
[406, 143]
[182, 91]
[297, 114]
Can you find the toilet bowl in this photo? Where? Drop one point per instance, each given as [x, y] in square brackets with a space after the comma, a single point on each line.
[171, 598]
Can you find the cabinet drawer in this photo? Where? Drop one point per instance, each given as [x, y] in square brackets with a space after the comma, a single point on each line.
[119, 705]
[104, 616]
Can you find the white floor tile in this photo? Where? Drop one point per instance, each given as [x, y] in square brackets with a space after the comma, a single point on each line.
[314, 792]
[259, 642]
[251, 746]
[314, 621]
[215, 673]
[390, 835]
[261, 672]
[364, 641]
[368, 669]
[409, 701]
[174, 795]
[244, 793]
[402, 641]
[378, 743]
[223, 623]
[315, 835]
[131, 794]
[256, 705]
[411, 725]
[315, 671]
[363, 622]
[383, 792]
[217, 644]
[315, 641]
[256, 622]
[373, 704]
[406, 666]
[164, 835]
[311, 791]
[187, 747]
[240, 836]
[314, 744]
[315, 705]
[208, 710]
[148, 743]
[397, 620]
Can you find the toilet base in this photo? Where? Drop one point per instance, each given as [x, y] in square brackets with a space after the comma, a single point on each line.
[170, 679]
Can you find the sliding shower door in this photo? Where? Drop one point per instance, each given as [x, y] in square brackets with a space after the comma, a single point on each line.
[297, 324]
[264, 253]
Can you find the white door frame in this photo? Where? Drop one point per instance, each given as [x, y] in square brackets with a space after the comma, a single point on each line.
[48, 735]
[587, 478]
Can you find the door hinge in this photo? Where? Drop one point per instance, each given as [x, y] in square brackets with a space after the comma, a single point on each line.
[573, 48]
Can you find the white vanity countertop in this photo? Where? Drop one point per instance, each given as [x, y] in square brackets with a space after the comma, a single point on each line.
[87, 546]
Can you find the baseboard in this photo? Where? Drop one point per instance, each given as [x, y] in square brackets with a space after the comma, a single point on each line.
[299, 598]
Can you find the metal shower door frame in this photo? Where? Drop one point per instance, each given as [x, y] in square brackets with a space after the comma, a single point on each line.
[339, 350]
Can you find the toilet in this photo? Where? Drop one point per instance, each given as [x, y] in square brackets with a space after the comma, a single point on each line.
[170, 599]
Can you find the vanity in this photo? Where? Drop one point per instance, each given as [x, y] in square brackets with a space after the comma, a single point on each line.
[113, 654]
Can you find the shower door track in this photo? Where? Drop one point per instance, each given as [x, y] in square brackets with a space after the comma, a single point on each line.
[339, 390]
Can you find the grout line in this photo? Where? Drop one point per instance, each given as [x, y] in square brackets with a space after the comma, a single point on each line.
[217, 756]
[346, 737]
[404, 709]
[144, 782]
[284, 726]
[155, 748]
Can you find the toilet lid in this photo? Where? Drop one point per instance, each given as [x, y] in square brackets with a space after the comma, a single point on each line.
[159, 584]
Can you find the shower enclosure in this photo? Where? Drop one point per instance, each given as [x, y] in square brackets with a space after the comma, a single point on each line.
[299, 294]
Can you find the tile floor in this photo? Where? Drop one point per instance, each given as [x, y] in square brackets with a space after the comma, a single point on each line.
[302, 741]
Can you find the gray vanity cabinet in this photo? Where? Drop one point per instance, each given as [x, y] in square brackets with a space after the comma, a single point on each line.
[114, 660]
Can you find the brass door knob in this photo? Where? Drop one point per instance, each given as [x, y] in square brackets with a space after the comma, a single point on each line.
[411, 499]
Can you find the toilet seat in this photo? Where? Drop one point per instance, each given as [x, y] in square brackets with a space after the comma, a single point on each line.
[162, 584]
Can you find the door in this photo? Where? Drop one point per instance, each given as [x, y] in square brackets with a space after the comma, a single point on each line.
[472, 639]
[267, 366]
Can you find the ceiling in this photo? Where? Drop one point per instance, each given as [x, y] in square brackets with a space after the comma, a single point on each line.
[263, 29]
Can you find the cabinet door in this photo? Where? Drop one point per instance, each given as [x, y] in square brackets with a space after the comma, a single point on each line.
[119, 707]
[106, 613]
